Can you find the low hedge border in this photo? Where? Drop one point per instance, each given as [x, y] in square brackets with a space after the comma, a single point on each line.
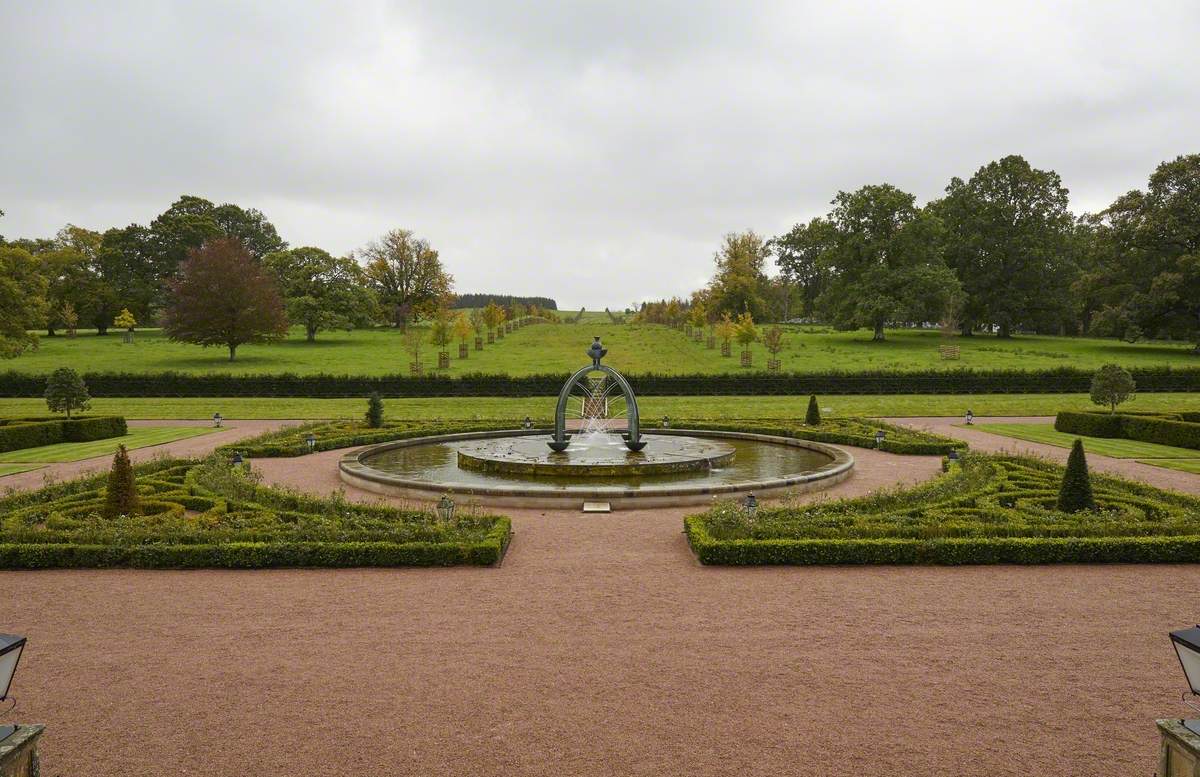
[1175, 430]
[959, 381]
[856, 432]
[19, 433]
[949, 551]
[332, 435]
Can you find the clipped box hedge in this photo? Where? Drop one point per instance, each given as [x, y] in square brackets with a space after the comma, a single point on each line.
[959, 381]
[18, 433]
[985, 510]
[857, 432]
[1175, 431]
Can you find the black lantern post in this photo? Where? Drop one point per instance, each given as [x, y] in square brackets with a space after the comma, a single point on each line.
[311, 441]
[970, 418]
[11, 647]
[666, 422]
[1187, 648]
[879, 435]
[237, 460]
[751, 505]
[528, 423]
[217, 420]
[445, 508]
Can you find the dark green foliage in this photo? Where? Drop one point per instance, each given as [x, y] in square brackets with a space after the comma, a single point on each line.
[859, 432]
[1111, 385]
[66, 391]
[238, 524]
[120, 495]
[813, 416]
[172, 384]
[473, 300]
[989, 510]
[375, 410]
[1076, 492]
[1161, 429]
[18, 433]
[332, 435]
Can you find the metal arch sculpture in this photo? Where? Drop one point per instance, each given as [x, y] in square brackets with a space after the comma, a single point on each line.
[633, 438]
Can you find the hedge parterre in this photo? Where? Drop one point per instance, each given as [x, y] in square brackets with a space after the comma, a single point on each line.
[211, 514]
[986, 510]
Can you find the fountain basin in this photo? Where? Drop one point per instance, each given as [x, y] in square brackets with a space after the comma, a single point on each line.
[426, 468]
[593, 456]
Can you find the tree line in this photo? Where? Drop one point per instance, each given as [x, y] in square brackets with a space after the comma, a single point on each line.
[472, 300]
[1000, 251]
[216, 275]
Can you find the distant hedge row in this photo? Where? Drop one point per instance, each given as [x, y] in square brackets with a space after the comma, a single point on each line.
[18, 433]
[1181, 430]
[964, 381]
[858, 432]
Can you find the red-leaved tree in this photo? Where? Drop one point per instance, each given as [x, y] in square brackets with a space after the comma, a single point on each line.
[223, 297]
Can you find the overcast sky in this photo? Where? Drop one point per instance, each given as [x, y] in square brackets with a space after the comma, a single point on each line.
[593, 152]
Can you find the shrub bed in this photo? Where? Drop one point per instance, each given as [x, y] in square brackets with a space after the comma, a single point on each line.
[209, 514]
[988, 510]
[857, 432]
[1169, 429]
[964, 381]
[18, 433]
[331, 435]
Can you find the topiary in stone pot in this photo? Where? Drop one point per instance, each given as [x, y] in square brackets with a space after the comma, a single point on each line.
[1076, 492]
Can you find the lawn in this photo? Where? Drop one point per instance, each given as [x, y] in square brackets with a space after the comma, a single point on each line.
[142, 437]
[1183, 465]
[653, 408]
[1117, 448]
[12, 469]
[560, 348]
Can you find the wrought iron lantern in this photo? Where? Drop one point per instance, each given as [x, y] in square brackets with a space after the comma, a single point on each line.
[970, 417]
[528, 424]
[311, 441]
[217, 420]
[11, 647]
[879, 436]
[750, 503]
[1187, 648]
[445, 508]
[666, 422]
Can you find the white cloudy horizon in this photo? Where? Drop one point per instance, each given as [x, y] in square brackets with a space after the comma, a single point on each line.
[591, 152]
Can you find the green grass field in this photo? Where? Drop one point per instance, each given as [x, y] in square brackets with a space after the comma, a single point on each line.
[1183, 465]
[13, 469]
[1117, 448]
[653, 408]
[74, 451]
[560, 348]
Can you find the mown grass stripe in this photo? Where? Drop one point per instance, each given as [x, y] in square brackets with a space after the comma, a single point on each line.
[1116, 448]
[74, 451]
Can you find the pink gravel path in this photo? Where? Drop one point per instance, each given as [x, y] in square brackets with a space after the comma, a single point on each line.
[601, 647]
[980, 440]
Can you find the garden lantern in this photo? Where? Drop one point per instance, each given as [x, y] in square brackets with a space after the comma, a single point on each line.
[953, 455]
[528, 422]
[217, 420]
[311, 441]
[879, 435]
[666, 422]
[751, 505]
[970, 417]
[1187, 648]
[237, 460]
[445, 508]
[10, 653]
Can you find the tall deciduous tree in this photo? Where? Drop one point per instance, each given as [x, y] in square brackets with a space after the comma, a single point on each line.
[800, 255]
[407, 275]
[22, 300]
[885, 263]
[321, 291]
[738, 284]
[1007, 236]
[223, 297]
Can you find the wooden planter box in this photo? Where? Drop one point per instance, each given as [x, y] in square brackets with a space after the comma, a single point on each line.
[699, 336]
[725, 350]
[491, 337]
[746, 357]
[443, 360]
[773, 365]
[463, 350]
[414, 368]
[712, 343]
[478, 343]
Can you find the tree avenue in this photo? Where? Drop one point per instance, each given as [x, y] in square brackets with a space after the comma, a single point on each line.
[223, 297]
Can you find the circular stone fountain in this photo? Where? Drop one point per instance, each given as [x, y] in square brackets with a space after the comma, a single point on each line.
[599, 462]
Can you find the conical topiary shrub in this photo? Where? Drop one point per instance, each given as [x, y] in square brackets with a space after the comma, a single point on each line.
[813, 416]
[375, 411]
[1076, 491]
[120, 498]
